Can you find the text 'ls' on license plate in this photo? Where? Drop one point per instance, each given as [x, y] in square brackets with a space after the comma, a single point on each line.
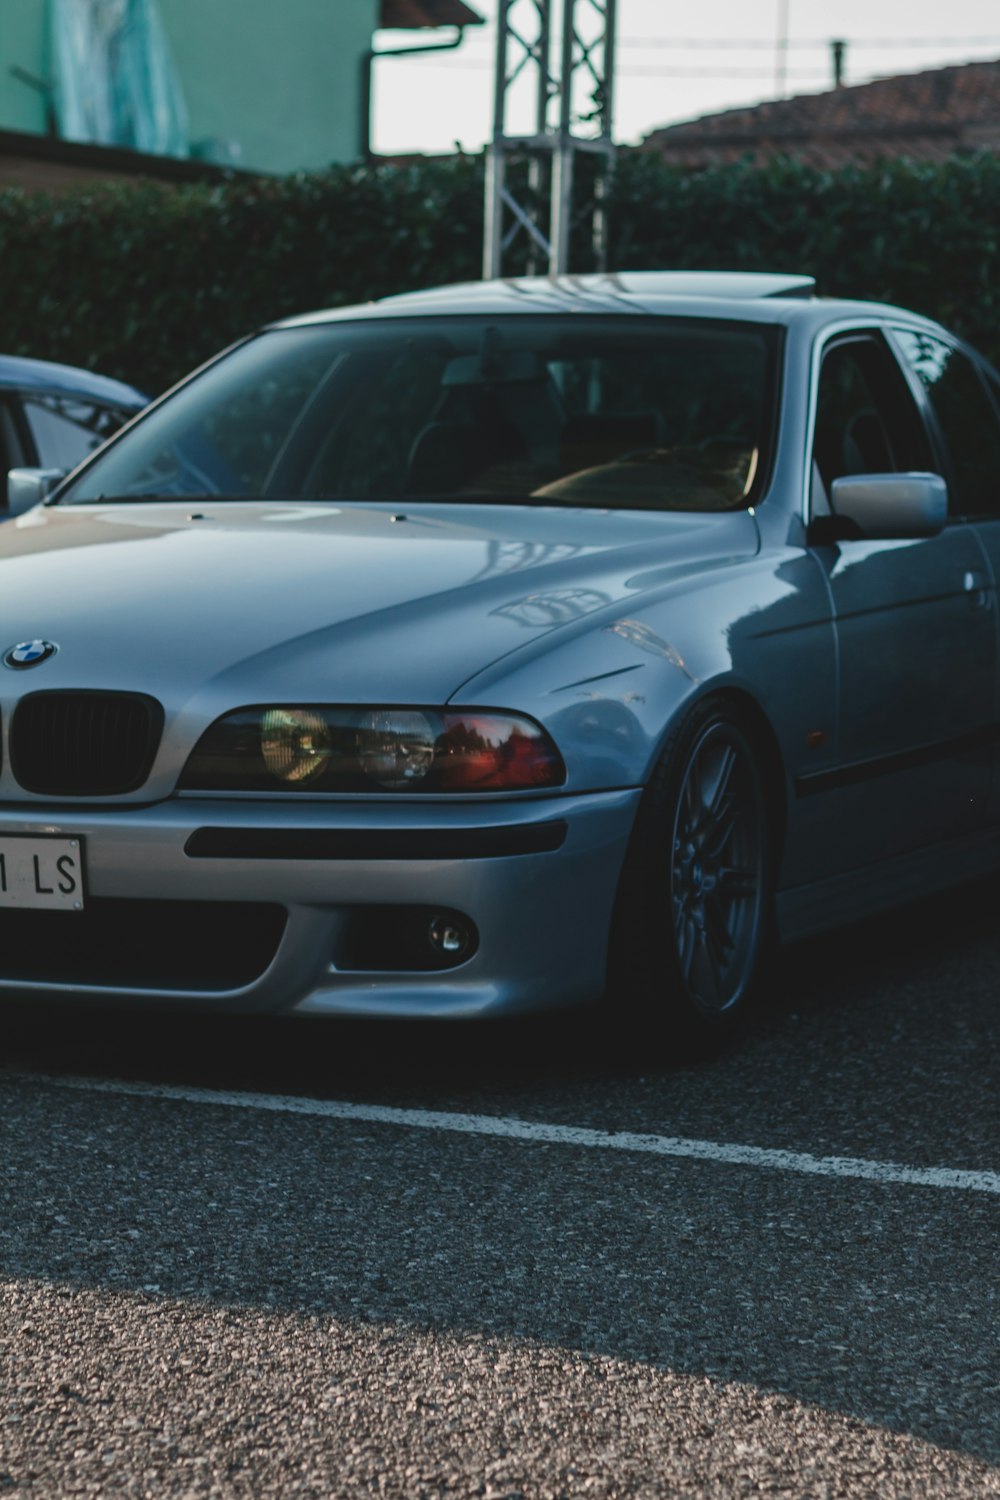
[41, 872]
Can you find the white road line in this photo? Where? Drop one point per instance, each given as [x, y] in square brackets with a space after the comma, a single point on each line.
[505, 1128]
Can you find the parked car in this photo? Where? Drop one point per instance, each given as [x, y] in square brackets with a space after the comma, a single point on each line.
[52, 416]
[506, 646]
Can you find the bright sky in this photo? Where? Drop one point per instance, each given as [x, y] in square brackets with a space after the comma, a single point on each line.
[676, 62]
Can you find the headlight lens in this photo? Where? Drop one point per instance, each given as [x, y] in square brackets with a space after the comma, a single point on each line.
[294, 744]
[317, 749]
[396, 749]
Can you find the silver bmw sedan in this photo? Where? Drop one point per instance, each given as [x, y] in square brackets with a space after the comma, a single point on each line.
[501, 647]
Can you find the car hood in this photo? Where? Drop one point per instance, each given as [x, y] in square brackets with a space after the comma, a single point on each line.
[212, 606]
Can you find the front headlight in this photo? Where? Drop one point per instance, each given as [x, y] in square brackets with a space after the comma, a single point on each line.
[396, 749]
[310, 748]
[295, 744]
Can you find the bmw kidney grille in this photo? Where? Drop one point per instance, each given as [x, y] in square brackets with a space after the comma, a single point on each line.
[84, 744]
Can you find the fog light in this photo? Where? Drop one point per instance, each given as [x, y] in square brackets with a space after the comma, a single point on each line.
[403, 939]
[449, 935]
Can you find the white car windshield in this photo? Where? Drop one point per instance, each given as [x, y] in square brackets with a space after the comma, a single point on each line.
[657, 414]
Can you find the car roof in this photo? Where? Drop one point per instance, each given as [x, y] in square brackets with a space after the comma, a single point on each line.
[554, 293]
[751, 296]
[47, 378]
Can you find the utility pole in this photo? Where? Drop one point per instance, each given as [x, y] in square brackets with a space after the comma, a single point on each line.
[838, 52]
[572, 113]
[781, 52]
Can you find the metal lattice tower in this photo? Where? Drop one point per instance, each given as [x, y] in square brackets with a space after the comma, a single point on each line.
[533, 213]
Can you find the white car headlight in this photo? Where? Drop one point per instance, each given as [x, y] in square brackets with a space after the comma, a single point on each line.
[294, 743]
[312, 748]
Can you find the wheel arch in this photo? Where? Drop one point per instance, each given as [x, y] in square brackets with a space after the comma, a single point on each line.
[632, 971]
[772, 760]
[765, 742]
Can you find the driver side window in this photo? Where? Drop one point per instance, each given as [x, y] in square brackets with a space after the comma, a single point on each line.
[866, 420]
[969, 425]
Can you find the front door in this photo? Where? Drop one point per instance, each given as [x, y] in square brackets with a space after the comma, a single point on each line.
[964, 397]
[916, 634]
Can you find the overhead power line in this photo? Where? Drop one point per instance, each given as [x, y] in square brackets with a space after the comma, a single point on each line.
[804, 44]
[653, 71]
[801, 70]
[663, 70]
[858, 44]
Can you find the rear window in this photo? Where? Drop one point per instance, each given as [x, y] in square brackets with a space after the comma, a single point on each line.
[610, 412]
[66, 429]
[969, 425]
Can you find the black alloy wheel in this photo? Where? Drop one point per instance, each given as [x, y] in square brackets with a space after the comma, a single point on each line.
[694, 903]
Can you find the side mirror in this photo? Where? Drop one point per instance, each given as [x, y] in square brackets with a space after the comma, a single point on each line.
[28, 487]
[892, 505]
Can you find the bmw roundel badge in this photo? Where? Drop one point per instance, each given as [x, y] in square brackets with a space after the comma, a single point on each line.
[29, 654]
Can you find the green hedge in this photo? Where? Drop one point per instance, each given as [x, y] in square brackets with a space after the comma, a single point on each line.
[924, 235]
[144, 281]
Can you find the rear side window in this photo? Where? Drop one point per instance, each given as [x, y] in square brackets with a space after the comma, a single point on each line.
[65, 430]
[966, 417]
[866, 420]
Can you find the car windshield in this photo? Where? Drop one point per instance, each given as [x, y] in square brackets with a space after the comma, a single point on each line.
[616, 413]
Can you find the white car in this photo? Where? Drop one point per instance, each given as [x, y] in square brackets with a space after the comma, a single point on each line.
[503, 647]
[53, 416]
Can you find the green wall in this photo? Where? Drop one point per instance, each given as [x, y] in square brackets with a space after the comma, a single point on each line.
[278, 80]
[23, 43]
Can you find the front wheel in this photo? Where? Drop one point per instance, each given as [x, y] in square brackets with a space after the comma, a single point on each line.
[695, 896]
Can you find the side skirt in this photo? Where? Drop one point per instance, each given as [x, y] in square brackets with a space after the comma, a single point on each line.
[855, 894]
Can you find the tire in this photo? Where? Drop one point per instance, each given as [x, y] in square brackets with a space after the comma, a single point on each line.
[694, 908]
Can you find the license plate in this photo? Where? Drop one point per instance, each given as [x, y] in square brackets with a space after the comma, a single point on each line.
[41, 873]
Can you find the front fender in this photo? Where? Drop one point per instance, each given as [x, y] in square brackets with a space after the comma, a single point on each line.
[609, 693]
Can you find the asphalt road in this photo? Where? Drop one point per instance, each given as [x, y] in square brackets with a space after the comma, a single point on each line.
[223, 1290]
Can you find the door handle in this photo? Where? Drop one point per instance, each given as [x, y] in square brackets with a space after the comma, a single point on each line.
[977, 586]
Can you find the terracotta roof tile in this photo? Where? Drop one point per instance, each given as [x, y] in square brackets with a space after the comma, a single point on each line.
[927, 115]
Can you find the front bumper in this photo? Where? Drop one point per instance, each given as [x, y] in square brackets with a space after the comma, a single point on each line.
[539, 894]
